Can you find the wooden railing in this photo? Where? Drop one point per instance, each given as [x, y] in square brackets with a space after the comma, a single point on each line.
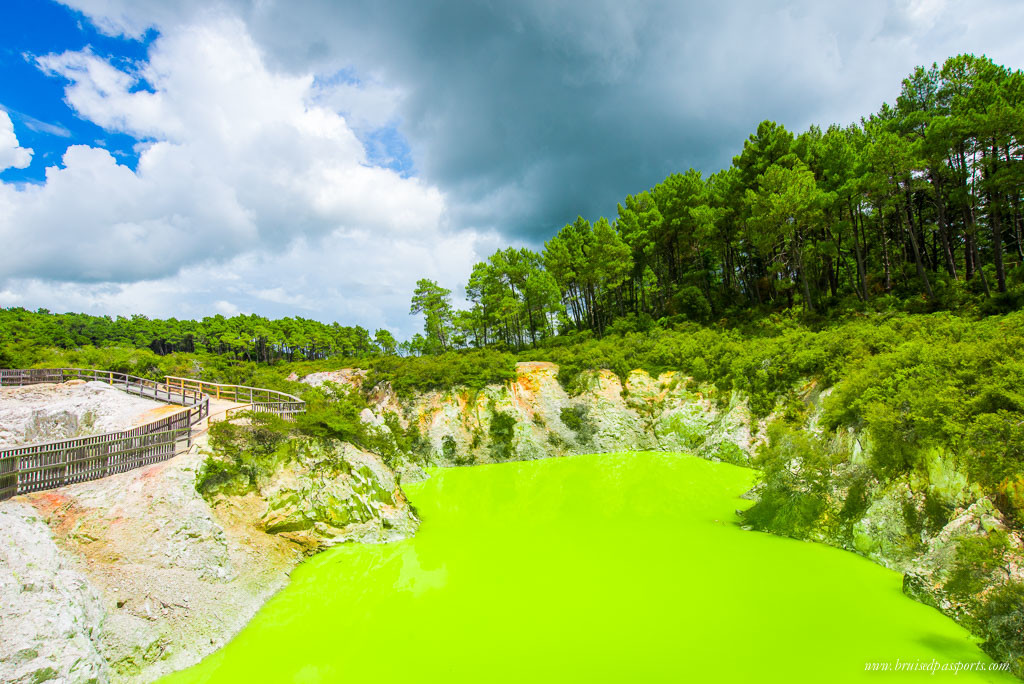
[258, 400]
[35, 467]
[29, 376]
[143, 387]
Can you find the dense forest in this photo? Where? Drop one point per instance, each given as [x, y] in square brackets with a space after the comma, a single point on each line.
[918, 205]
[249, 338]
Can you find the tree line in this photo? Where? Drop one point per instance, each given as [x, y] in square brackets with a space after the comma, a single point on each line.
[243, 337]
[918, 203]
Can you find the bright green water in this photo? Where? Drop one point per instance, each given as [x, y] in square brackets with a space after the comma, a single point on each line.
[610, 568]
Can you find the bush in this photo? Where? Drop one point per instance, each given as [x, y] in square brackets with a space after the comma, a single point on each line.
[473, 370]
[242, 452]
[791, 499]
[502, 434]
[692, 303]
[856, 503]
[577, 418]
[976, 559]
[1003, 617]
[333, 412]
[448, 448]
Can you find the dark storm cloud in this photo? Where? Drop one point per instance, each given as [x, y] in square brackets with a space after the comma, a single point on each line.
[528, 113]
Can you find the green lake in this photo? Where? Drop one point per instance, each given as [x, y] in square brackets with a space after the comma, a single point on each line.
[602, 568]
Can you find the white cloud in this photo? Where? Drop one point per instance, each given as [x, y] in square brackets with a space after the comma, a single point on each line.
[341, 276]
[250, 194]
[366, 104]
[225, 307]
[11, 154]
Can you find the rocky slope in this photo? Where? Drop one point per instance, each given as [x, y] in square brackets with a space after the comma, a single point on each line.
[534, 417]
[50, 615]
[137, 575]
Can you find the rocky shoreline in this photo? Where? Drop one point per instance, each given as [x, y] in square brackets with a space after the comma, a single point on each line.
[136, 575]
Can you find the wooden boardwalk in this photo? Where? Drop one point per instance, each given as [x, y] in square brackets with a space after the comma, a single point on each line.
[35, 467]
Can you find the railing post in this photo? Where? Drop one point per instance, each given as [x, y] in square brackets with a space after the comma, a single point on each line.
[64, 467]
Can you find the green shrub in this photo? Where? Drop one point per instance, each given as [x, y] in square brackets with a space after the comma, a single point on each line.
[471, 369]
[856, 502]
[502, 434]
[448, 448]
[936, 513]
[791, 500]
[976, 559]
[577, 418]
[728, 452]
[691, 302]
[242, 453]
[1003, 617]
[333, 412]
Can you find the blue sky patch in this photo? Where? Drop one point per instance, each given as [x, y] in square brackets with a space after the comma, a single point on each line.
[35, 100]
[388, 148]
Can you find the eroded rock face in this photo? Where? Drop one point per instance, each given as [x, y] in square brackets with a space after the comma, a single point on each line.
[534, 417]
[50, 615]
[929, 579]
[882, 534]
[171, 581]
[928, 573]
[326, 494]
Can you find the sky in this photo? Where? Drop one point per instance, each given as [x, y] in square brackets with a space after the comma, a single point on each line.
[315, 158]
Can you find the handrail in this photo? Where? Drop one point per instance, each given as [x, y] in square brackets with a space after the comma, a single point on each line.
[34, 467]
[174, 389]
[144, 387]
[259, 399]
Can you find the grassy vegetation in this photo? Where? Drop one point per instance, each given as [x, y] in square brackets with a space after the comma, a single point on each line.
[244, 453]
[921, 389]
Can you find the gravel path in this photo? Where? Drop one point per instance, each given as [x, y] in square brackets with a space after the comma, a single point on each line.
[44, 413]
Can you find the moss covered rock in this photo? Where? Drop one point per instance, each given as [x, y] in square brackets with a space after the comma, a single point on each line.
[329, 492]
